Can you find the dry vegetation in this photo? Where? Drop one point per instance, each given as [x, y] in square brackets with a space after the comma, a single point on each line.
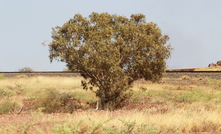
[59, 105]
[208, 69]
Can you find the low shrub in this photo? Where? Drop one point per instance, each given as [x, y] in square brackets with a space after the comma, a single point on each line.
[9, 106]
[52, 101]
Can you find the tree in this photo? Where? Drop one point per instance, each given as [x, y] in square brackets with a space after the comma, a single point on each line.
[26, 69]
[111, 52]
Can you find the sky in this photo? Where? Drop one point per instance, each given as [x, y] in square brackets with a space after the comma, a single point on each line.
[194, 27]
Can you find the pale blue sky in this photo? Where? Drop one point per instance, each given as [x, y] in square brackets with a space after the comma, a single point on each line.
[194, 27]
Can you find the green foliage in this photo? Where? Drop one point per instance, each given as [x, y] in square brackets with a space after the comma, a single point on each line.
[96, 127]
[79, 128]
[111, 52]
[110, 130]
[52, 101]
[90, 127]
[67, 128]
[26, 69]
[7, 105]
[129, 126]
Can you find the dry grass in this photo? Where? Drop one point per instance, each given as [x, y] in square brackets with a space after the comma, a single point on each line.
[208, 69]
[176, 120]
[40, 82]
[30, 85]
[162, 108]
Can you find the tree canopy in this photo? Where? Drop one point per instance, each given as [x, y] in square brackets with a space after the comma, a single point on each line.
[111, 52]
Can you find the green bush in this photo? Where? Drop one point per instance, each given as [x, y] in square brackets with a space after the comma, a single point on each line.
[7, 106]
[66, 128]
[52, 101]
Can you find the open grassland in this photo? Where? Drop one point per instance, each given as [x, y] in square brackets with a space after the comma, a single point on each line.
[59, 105]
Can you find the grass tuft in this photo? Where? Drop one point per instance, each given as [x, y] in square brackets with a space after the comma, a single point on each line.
[53, 102]
[2, 76]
